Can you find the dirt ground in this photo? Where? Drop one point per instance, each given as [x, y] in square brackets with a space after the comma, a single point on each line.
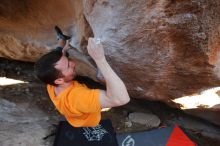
[34, 93]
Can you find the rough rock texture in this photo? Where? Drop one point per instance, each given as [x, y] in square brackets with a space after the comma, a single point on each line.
[162, 49]
[147, 119]
[27, 26]
[25, 127]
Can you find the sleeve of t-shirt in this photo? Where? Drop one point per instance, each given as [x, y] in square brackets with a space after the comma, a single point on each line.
[85, 100]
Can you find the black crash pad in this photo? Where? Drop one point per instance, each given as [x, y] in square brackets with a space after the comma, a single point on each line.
[101, 135]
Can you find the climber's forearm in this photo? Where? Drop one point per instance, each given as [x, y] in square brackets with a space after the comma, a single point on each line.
[116, 90]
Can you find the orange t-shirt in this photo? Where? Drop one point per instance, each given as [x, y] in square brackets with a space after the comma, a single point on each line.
[79, 104]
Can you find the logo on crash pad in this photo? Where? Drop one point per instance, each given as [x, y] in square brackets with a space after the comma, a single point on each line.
[94, 133]
[128, 141]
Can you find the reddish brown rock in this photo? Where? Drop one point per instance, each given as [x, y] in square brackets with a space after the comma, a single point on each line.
[163, 49]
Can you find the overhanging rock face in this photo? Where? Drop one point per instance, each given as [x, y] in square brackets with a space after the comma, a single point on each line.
[27, 27]
[162, 49]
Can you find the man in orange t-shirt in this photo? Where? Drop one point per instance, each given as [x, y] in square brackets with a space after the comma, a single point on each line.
[80, 105]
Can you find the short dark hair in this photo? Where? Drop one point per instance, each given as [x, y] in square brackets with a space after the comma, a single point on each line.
[44, 67]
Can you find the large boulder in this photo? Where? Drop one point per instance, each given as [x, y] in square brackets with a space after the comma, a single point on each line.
[27, 27]
[162, 49]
